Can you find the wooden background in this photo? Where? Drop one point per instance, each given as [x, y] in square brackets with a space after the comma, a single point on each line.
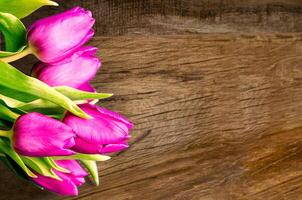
[214, 88]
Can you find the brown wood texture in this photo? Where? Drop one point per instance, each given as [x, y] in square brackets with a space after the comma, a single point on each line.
[214, 89]
[124, 17]
[216, 117]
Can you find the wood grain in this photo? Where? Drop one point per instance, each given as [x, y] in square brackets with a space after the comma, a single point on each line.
[217, 117]
[214, 89]
[128, 17]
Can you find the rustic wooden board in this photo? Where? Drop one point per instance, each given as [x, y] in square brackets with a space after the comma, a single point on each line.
[127, 17]
[216, 117]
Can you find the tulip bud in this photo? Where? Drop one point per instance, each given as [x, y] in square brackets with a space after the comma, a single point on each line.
[74, 71]
[38, 135]
[107, 132]
[68, 185]
[77, 173]
[53, 38]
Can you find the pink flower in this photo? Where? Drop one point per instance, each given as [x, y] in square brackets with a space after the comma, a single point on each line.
[53, 38]
[74, 71]
[106, 132]
[70, 181]
[39, 135]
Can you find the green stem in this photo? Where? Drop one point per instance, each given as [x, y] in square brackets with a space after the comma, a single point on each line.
[7, 134]
[17, 56]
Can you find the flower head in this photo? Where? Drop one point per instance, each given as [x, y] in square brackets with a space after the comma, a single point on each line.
[53, 38]
[39, 135]
[107, 132]
[74, 71]
[68, 185]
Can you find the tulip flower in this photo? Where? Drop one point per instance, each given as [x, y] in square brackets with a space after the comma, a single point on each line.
[68, 185]
[77, 173]
[53, 38]
[74, 71]
[107, 132]
[38, 135]
[37, 146]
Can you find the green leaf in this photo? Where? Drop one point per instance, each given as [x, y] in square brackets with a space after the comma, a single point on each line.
[7, 114]
[79, 156]
[41, 166]
[5, 147]
[14, 33]
[92, 168]
[17, 95]
[23, 8]
[76, 94]
[54, 165]
[42, 106]
[32, 103]
[10, 102]
[13, 79]
[39, 105]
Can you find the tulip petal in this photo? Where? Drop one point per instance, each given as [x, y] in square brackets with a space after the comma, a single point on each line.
[38, 135]
[70, 181]
[107, 127]
[73, 166]
[78, 180]
[113, 148]
[86, 147]
[74, 72]
[103, 112]
[66, 187]
[87, 87]
[58, 36]
[107, 132]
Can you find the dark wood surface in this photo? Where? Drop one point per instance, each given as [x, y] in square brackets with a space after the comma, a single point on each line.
[217, 115]
[124, 17]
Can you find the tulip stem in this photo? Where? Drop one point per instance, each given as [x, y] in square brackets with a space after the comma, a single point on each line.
[17, 56]
[7, 134]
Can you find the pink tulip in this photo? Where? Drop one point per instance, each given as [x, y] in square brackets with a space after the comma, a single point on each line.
[53, 38]
[77, 173]
[107, 132]
[70, 181]
[39, 135]
[74, 71]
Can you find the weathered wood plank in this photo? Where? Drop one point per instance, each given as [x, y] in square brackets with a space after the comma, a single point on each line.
[216, 117]
[124, 17]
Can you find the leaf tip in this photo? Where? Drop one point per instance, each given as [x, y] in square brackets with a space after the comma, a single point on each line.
[52, 3]
[105, 158]
[97, 182]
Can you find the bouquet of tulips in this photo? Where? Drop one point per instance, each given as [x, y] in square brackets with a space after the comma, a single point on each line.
[51, 130]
